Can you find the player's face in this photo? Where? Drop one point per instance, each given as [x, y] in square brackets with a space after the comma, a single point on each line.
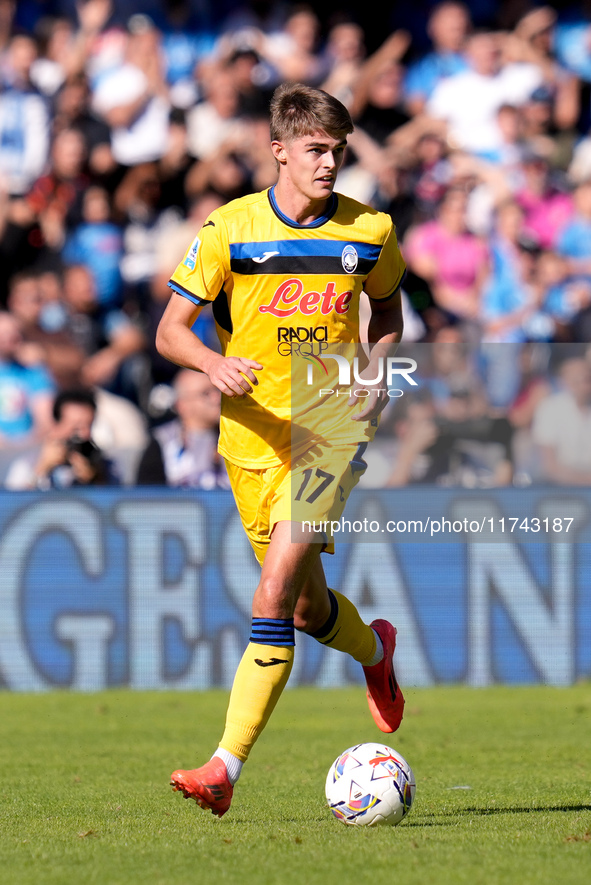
[310, 164]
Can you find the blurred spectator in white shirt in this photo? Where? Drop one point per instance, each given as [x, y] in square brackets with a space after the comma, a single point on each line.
[448, 26]
[133, 98]
[470, 100]
[214, 120]
[183, 452]
[24, 120]
[562, 426]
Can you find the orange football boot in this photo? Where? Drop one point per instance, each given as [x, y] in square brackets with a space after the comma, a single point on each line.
[209, 786]
[384, 696]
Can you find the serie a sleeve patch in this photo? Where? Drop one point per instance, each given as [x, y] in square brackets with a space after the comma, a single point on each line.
[191, 256]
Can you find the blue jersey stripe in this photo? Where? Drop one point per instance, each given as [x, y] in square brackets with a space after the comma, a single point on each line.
[312, 248]
[180, 290]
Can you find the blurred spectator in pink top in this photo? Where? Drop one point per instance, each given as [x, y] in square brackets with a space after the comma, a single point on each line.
[453, 260]
[547, 208]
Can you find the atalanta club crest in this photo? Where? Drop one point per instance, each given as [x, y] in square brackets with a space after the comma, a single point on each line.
[350, 259]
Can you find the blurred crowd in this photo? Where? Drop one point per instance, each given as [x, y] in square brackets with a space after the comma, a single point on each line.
[492, 416]
[122, 125]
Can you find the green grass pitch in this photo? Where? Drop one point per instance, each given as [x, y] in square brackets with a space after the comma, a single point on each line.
[503, 790]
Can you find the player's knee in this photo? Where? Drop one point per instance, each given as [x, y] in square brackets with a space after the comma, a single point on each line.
[273, 599]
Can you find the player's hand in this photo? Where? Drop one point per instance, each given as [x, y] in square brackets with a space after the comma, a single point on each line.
[373, 404]
[371, 394]
[234, 375]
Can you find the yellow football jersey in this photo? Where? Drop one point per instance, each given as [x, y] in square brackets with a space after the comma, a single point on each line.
[286, 295]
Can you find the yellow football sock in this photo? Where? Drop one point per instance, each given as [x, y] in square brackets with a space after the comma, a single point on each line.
[345, 630]
[260, 678]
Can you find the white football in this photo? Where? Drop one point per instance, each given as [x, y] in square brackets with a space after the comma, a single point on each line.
[370, 784]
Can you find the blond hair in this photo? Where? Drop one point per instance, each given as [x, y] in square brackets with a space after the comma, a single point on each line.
[298, 110]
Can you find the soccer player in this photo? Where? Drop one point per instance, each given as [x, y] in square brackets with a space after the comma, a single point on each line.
[288, 263]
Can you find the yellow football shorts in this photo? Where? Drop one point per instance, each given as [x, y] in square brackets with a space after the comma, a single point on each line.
[314, 488]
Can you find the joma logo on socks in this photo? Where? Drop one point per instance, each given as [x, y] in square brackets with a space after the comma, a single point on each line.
[269, 663]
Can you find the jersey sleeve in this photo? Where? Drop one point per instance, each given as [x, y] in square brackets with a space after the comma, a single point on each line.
[201, 274]
[386, 276]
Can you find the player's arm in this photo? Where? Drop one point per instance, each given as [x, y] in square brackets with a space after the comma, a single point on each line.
[386, 325]
[384, 333]
[176, 341]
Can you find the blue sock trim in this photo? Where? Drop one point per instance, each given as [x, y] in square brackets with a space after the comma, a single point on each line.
[272, 631]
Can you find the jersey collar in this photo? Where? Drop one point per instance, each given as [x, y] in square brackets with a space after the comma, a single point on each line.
[331, 208]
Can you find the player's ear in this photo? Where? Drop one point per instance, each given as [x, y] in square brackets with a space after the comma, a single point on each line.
[279, 151]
